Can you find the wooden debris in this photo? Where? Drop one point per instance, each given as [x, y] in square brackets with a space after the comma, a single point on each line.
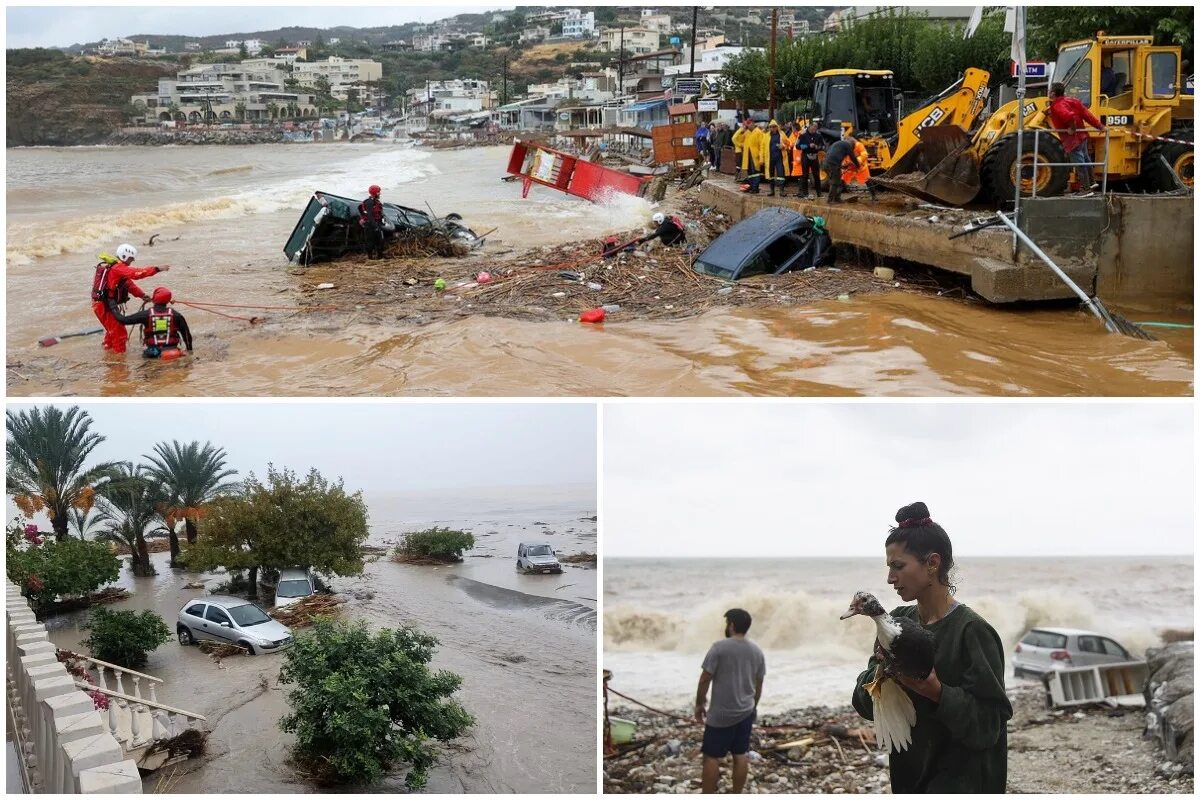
[307, 610]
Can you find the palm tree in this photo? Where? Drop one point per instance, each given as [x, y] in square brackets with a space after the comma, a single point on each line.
[189, 476]
[129, 506]
[46, 451]
[84, 521]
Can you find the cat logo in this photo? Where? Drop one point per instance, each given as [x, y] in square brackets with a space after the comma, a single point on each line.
[1030, 108]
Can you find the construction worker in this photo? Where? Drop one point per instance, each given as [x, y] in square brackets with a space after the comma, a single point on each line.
[671, 230]
[739, 143]
[776, 157]
[370, 217]
[163, 328]
[754, 155]
[806, 160]
[112, 285]
[858, 170]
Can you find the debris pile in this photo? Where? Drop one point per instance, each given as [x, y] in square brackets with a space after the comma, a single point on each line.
[579, 558]
[815, 749]
[220, 650]
[304, 612]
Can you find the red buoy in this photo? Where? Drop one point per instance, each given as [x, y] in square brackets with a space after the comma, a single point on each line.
[592, 315]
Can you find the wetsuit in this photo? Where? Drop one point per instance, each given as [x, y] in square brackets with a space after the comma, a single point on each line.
[111, 290]
[370, 216]
[163, 328]
[671, 231]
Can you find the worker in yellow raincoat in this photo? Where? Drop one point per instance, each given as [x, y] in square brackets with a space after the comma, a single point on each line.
[754, 153]
[739, 142]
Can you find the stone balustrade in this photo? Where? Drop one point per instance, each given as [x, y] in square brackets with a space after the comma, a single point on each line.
[67, 747]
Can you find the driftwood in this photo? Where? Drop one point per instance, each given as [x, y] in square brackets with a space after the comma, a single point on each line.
[307, 610]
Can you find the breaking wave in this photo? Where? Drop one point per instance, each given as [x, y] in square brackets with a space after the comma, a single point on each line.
[796, 621]
[390, 168]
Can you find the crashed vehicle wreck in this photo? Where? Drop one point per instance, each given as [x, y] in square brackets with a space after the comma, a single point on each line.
[772, 241]
[328, 229]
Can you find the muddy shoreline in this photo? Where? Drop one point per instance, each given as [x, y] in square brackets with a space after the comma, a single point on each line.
[1085, 750]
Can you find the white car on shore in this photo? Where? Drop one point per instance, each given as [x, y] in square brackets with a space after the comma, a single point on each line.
[1043, 650]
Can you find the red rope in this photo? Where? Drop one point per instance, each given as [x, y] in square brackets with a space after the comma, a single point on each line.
[651, 708]
[197, 304]
[251, 320]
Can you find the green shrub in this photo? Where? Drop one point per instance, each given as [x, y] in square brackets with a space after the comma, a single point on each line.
[125, 637]
[440, 544]
[364, 703]
[60, 569]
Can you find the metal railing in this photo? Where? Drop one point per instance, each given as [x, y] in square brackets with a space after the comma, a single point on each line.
[1036, 133]
[1093, 164]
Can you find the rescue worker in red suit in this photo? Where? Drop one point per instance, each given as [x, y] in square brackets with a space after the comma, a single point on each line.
[163, 328]
[111, 287]
[370, 217]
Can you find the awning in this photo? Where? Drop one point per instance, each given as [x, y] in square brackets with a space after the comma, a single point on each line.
[645, 105]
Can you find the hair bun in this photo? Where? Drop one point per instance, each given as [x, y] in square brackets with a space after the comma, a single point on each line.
[916, 510]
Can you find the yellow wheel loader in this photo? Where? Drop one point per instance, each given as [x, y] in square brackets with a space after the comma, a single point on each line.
[1133, 87]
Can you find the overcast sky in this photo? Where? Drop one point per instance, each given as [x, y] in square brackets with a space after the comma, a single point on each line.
[397, 447]
[1009, 479]
[58, 26]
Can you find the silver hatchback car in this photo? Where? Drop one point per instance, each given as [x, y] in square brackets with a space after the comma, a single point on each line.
[231, 620]
[1043, 650]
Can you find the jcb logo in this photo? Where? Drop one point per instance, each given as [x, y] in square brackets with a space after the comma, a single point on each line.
[934, 117]
[1117, 119]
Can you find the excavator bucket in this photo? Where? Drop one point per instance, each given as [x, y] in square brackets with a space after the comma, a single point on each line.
[940, 169]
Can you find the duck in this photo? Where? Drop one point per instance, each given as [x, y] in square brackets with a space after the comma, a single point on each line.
[910, 650]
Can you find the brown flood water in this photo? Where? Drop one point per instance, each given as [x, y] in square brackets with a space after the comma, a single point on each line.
[527, 660]
[233, 208]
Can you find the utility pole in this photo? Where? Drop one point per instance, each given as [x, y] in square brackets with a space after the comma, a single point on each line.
[774, 32]
[621, 64]
[504, 89]
[692, 66]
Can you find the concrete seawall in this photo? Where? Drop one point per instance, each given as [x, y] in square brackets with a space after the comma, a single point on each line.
[1131, 249]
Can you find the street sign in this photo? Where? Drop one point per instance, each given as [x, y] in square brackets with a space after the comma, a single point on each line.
[1033, 69]
[706, 105]
[686, 86]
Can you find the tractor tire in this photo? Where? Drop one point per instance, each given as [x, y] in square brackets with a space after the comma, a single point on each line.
[997, 169]
[1181, 157]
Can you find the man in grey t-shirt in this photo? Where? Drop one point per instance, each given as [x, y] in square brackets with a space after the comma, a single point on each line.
[735, 668]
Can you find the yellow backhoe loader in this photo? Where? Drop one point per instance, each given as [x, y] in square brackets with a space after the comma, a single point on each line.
[1132, 86]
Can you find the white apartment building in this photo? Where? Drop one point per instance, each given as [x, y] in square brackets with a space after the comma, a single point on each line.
[454, 96]
[253, 46]
[343, 75]
[655, 21]
[429, 42]
[534, 34]
[224, 93]
[477, 40]
[578, 25]
[637, 40]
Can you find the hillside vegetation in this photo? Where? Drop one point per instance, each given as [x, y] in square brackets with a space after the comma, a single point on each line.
[56, 99]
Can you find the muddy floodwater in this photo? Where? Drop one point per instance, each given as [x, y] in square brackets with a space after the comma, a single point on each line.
[524, 644]
[223, 214]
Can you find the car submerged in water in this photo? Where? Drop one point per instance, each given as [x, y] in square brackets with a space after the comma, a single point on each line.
[328, 229]
[772, 241]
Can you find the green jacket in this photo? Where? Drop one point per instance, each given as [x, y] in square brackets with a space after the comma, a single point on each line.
[960, 745]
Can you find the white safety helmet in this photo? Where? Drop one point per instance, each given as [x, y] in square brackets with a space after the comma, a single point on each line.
[659, 218]
[127, 252]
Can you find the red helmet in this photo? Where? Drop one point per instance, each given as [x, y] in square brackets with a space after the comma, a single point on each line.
[373, 190]
[161, 296]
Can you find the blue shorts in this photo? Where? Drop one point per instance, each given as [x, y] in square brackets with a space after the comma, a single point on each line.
[719, 742]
